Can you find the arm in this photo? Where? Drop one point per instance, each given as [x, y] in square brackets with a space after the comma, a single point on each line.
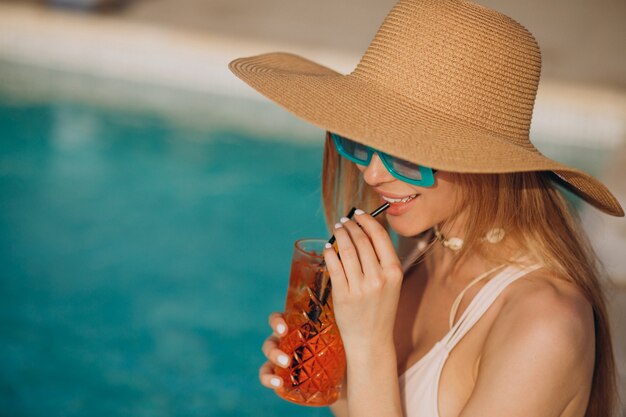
[374, 389]
[538, 356]
[367, 397]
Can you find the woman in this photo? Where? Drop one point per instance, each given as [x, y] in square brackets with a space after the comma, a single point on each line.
[492, 307]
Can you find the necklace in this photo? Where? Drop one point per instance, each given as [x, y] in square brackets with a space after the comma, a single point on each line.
[455, 244]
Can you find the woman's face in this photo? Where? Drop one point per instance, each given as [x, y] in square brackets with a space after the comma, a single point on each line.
[430, 206]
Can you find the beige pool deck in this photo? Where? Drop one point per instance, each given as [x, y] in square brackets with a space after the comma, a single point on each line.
[185, 45]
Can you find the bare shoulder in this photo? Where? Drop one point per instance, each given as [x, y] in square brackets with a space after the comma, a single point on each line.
[545, 320]
[543, 302]
[538, 355]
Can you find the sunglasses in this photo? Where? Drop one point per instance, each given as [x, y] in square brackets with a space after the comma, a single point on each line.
[403, 170]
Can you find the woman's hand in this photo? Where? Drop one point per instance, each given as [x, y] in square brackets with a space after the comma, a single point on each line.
[366, 282]
[271, 351]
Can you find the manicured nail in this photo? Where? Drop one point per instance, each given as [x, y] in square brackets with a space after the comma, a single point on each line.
[275, 382]
[338, 225]
[344, 219]
[328, 245]
[280, 328]
[283, 360]
[358, 212]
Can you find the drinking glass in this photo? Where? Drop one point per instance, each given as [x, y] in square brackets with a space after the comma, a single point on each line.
[318, 361]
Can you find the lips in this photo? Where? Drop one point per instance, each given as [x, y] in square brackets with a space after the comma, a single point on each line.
[398, 203]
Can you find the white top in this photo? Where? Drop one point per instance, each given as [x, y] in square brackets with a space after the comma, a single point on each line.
[419, 385]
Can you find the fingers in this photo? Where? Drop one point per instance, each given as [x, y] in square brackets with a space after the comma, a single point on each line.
[368, 258]
[379, 238]
[278, 324]
[366, 251]
[349, 254]
[267, 376]
[275, 355]
[336, 272]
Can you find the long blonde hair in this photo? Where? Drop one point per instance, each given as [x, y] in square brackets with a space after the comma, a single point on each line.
[536, 217]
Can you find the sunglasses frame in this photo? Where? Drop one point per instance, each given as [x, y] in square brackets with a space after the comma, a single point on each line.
[427, 174]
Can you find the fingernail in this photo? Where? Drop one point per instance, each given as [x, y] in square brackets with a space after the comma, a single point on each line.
[338, 225]
[280, 328]
[344, 219]
[358, 212]
[283, 360]
[328, 245]
[275, 382]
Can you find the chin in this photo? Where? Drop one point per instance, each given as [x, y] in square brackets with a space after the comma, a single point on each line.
[407, 227]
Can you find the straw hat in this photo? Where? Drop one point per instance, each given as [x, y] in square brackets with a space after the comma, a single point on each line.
[445, 83]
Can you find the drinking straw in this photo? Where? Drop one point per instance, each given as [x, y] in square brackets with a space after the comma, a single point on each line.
[379, 210]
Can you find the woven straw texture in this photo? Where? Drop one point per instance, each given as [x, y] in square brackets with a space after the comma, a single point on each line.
[448, 84]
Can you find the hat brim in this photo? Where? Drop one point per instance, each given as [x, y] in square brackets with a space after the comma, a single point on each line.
[399, 125]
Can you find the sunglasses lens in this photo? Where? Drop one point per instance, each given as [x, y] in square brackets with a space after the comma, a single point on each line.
[405, 168]
[352, 149]
[355, 150]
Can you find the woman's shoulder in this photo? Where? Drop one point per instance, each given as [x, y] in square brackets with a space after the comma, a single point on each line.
[541, 343]
[548, 300]
[544, 317]
[538, 355]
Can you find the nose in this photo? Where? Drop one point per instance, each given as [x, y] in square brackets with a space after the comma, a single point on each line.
[376, 173]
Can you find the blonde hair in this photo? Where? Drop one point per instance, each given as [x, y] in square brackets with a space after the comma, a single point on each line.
[536, 218]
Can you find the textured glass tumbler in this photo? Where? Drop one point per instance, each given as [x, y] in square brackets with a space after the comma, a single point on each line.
[318, 361]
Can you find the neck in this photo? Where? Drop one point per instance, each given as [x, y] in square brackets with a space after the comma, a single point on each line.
[445, 269]
[444, 257]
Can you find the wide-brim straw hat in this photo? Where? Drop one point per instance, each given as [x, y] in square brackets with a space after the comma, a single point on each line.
[448, 84]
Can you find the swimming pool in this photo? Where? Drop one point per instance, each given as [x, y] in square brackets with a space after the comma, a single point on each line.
[140, 260]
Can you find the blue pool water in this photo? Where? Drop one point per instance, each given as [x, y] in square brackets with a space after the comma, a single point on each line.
[139, 262]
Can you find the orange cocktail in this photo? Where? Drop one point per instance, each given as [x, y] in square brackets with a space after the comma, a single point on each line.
[318, 361]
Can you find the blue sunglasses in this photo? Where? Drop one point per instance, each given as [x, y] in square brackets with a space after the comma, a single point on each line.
[403, 170]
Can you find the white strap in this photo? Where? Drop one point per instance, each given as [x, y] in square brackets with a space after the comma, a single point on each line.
[457, 302]
[483, 300]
